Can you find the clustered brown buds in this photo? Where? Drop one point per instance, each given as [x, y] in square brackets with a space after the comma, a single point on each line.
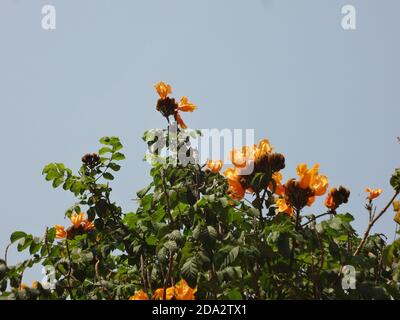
[337, 197]
[297, 196]
[166, 106]
[91, 160]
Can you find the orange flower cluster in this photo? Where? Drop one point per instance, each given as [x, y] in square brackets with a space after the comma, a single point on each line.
[168, 107]
[80, 225]
[250, 161]
[296, 194]
[181, 291]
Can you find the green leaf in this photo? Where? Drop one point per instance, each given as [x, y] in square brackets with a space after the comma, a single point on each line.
[174, 235]
[253, 212]
[118, 156]
[115, 167]
[17, 235]
[105, 150]
[141, 193]
[57, 182]
[35, 246]
[231, 257]
[24, 243]
[105, 140]
[234, 295]
[190, 269]
[395, 180]
[224, 202]
[284, 245]
[212, 232]
[151, 240]
[171, 246]
[180, 209]
[108, 176]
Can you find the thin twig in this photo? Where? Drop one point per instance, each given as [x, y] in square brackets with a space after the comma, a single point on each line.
[167, 277]
[164, 185]
[315, 218]
[6, 253]
[143, 273]
[372, 222]
[69, 270]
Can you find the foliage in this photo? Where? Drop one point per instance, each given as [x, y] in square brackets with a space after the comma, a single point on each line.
[191, 224]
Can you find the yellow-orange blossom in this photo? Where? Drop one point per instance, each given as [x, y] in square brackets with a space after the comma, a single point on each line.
[163, 89]
[78, 220]
[215, 166]
[309, 178]
[373, 193]
[181, 291]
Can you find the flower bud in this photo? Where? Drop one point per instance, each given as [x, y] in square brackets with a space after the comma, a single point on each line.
[277, 162]
[297, 196]
[167, 106]
[91, 159]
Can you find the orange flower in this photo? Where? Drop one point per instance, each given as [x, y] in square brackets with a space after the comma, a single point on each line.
[336, 197]
[23, 286]
[215, 166]
[36, 285]
[263, 148]
[320, 185]
[60, 232]
[163, 89]
[88, 225]
[77, 219]
[185, 106]
[236, 190]
[168, 107]
[307, 176]
[184, 292]
[311, 200]
[159, 294]
[284, 207]
[310, 178]
[279, 188]
[240, 158]
[139, 295]
[329, 202]
[231, 174]
[373, 193]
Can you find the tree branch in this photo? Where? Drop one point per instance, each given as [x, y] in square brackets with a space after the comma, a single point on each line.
[371, 223]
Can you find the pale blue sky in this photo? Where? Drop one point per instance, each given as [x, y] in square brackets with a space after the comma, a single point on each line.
[285, 68]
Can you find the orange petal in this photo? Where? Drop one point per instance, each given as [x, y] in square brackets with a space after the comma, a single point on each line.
[185, 106]
[60, 232]
[215, 166]
[77, 219]
[311, 200]
[163, 89]
[139, 295]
